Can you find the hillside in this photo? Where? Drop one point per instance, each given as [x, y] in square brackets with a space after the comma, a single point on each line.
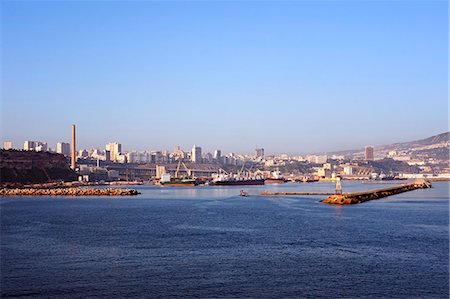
[33, 167]
[433, 140]
[437, 141]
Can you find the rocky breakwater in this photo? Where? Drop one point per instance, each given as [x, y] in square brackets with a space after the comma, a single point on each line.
[68, 192]
[359, 197]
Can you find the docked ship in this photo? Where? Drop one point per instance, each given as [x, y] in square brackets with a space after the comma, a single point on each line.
[276, 178]
[238, 182]
[231, 180]
[166, 180]
[179, 183]
[308, 179]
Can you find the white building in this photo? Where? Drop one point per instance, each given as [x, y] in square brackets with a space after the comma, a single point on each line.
[139, 157]
[63, 148]
[217, 155]
[7, 145]
[41, 147]
[317, 159]
[29, 145]
[115, 149]
[348, 170]
[35, 146]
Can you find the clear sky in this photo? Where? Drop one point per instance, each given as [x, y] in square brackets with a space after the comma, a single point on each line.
[289, 76]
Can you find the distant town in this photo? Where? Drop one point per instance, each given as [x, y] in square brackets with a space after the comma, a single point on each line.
[427, 158]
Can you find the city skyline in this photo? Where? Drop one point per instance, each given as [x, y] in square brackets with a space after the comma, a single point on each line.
[155, 75]
[41, 145]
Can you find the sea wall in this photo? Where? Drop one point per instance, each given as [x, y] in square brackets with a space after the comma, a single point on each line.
[67, 192]
[359, 197]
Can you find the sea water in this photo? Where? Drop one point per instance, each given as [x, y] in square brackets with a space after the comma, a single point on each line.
[208, 242]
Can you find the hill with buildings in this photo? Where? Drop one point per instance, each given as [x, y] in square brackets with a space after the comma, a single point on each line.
[18, 166]
[432, 145]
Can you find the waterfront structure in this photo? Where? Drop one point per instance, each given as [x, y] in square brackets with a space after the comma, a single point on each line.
[73, 158]
[196, 155]
[63, 148]
[115, 150]
[7, 145]
[259, 153]
[368, 153]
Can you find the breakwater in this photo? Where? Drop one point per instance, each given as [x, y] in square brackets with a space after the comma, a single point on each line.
[359, 197]
[67, 192]
[267, 193]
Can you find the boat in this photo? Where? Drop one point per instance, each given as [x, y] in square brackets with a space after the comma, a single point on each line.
[238, 182]
[179, 183]
[167, 180]
[276, 178]
[224, 178]
[307, 179]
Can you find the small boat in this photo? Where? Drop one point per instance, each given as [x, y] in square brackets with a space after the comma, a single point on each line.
[243, 193]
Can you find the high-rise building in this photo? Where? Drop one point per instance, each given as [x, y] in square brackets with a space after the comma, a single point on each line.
[35, 146]
[115, 149]
[368, 154]
[41, 146]
[196, 155]
[63, 148]
[29, 145]
[259, 153]
[7, 145]
[217, 155]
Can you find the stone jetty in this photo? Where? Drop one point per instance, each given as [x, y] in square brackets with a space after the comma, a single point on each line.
[359, 197]
[67, 192]
[268, 193]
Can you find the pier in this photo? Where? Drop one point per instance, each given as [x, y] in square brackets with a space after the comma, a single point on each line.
[359, 197]
[267, 193]
[362, 196]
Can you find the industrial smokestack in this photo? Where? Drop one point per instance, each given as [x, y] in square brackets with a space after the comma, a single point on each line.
[74, 154]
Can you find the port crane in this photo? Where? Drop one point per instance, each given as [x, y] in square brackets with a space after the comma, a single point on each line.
[188, 171]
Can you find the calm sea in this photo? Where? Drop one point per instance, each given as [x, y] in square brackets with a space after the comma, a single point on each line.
[208, 242]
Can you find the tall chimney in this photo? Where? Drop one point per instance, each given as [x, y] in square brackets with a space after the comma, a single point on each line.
[74, 154]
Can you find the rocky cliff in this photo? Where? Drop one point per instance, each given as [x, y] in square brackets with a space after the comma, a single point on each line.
[33, 167]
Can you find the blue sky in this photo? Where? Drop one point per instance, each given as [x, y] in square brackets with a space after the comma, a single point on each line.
[289, 76]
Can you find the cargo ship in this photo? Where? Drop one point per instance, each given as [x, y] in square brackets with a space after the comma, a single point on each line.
[235, 180]
[238, 182]
[167, 180]
[276, 178]
[179, 183]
